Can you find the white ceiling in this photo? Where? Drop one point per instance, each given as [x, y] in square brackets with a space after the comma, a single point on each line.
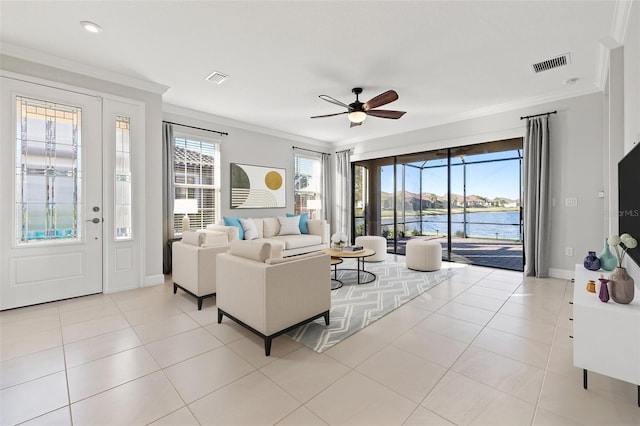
[446, 59]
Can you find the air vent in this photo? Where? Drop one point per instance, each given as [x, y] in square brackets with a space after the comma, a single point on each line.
[558, 61]
[217, 77]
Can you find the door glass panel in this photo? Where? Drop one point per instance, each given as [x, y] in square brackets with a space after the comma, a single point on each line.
[387, 189]
[361, 198]
[122, 205]
[48, 171]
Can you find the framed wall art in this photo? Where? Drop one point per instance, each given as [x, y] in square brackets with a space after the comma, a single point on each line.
[257, 187]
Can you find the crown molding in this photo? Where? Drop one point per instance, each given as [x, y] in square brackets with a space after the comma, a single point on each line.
[619, 25]
[215, 119]
[621, 15]
[80, 68]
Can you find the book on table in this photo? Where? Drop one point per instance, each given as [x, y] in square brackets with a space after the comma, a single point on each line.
[353, 249]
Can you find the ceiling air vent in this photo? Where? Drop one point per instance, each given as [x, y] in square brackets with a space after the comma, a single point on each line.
[217, 77]
[558, 61]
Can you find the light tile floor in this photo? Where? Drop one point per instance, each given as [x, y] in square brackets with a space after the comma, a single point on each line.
[485, 347]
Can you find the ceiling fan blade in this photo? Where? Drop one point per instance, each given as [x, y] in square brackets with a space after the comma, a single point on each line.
[381, 99]
[386, 113]
[330, 115]
[333, 101]
[355, 124]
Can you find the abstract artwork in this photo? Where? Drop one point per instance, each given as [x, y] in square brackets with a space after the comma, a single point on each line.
[257, 187]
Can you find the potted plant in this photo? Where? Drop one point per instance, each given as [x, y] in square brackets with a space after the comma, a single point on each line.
[339, 240]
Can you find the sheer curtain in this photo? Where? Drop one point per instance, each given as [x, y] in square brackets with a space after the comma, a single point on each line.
[325, 188]
[167, 194]
[342, 222]
[536, 197]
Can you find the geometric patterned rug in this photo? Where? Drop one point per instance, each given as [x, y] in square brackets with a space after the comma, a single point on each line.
[353, 306]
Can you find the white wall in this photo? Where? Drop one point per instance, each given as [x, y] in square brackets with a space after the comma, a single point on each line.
[576, 165]
[632, 79]
[152, 244]
[632, 102]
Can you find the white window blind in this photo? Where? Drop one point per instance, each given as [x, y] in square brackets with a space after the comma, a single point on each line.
[197, 176]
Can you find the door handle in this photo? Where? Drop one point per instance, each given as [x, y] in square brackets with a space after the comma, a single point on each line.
[94, 220]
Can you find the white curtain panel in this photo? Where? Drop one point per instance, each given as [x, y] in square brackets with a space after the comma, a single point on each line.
[325, 188]
[536, 197]
[167, 193]
[343, 193]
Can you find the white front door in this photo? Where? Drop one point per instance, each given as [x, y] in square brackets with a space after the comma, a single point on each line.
[51, 216]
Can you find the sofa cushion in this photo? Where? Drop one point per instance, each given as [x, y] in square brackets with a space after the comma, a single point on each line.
[234, 221]
[214, 237]
[274, 261]
[304, 229]
[194, 238]
[289, 225]
[270, 227]
[254, 250]
[259, 226]
[297, 241]
[249, 228]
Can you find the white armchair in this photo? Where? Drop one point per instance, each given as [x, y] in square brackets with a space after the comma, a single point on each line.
[193, 263]
[271, 296]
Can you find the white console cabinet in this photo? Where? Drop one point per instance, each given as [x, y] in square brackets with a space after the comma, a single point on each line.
[606, 336]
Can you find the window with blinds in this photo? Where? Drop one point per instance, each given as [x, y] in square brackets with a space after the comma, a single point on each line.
[307, 183]
[197, 176]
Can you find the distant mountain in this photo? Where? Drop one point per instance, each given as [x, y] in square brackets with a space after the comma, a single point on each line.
[431, 200]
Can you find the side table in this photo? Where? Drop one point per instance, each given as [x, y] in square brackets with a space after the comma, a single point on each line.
[606, 336]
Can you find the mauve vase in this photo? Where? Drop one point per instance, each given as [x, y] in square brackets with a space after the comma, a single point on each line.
[621, 286]
[608, 261]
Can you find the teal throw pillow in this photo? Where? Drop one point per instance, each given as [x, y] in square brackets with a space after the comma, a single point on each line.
[234, 221]
[304, 229]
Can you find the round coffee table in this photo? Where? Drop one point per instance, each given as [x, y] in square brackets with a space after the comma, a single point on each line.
[335, 261]
[364, 277]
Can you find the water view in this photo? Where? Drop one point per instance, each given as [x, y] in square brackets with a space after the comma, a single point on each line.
[501, 225]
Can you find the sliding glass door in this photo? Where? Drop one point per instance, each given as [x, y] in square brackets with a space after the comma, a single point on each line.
[468, 198]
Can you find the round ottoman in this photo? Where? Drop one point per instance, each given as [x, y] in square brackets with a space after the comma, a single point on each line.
[377, 244]
[424, 255]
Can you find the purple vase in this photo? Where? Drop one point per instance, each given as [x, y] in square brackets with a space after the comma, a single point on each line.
[604, 290]
[591, 262]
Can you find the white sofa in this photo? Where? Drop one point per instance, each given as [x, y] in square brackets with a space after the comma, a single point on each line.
[193, 263]
[271, 296]
[268, 231]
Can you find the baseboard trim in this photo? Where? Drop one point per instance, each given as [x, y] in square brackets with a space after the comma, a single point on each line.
[560, 273]
[152, 280]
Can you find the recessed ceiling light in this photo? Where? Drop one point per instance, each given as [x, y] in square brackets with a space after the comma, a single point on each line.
[570, 81]
[91, 27]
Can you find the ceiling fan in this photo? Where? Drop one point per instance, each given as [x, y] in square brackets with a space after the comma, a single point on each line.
[358, 111]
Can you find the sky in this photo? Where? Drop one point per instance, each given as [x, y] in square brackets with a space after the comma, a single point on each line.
[490, 180]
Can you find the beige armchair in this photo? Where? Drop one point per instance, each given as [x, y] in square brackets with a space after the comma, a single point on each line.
[271, 296]
[193, 263]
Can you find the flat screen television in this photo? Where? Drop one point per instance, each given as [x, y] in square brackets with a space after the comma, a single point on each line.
[629, 198]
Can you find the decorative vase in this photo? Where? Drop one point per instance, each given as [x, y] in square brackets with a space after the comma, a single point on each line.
[608, 261]
[622, 286]
[591, 262]
[338, 246]
[604, 290]
[591, 286]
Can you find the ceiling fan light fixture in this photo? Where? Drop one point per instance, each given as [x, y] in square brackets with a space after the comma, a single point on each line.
[357, 116]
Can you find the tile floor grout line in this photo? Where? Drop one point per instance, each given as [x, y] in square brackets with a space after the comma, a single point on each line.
[546, 368]
[477, 381]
